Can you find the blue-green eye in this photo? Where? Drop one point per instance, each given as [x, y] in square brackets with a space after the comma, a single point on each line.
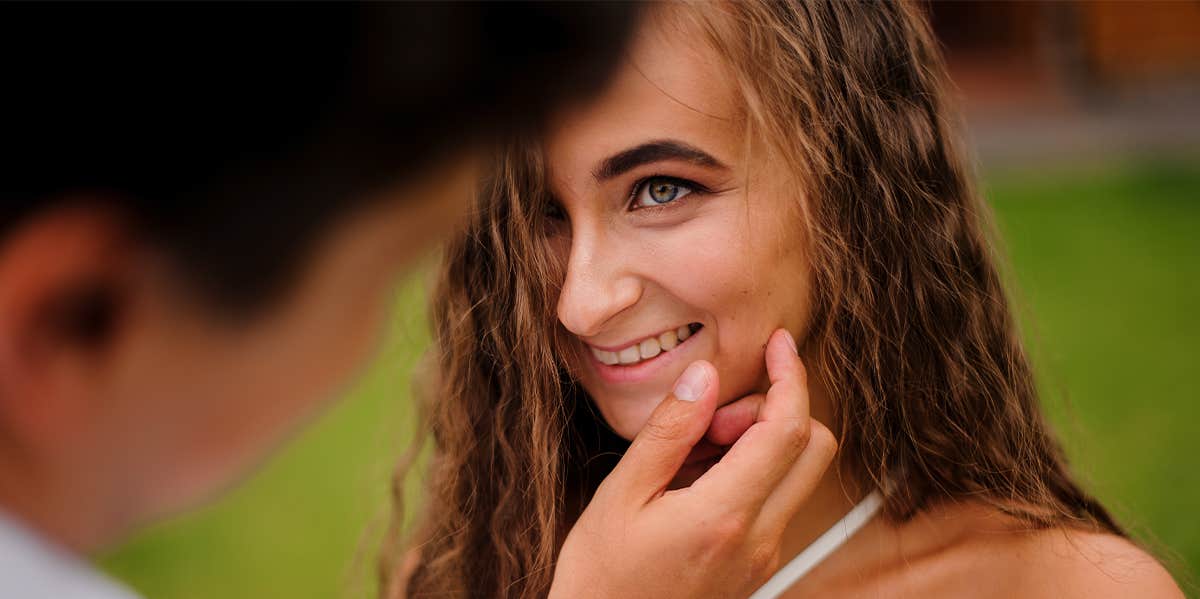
[657, 191]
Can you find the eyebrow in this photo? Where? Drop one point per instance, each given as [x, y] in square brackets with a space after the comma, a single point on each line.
[654, 151]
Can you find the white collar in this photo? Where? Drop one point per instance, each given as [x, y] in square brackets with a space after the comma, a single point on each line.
[827, 543]
[34, 567]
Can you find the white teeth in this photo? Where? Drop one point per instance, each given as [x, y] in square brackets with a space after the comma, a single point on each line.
[683, 332]
[646, 349]
[605, 357]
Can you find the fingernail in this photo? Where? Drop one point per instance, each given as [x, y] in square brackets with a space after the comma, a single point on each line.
[791, 341]
[692, 383]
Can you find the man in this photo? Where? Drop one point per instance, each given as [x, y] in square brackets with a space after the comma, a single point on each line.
[203, 210]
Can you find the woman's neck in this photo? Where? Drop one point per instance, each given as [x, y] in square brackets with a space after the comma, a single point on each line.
[833, 498]
[835, 495]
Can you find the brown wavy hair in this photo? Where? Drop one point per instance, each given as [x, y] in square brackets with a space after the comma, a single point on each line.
[934, 396]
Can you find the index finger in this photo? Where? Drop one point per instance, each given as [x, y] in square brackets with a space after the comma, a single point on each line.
[788, 395]
[756, 463]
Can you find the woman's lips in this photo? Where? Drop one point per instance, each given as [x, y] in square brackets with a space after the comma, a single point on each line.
[645, 368]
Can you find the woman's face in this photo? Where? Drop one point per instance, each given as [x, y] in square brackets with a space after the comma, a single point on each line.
[683, 241]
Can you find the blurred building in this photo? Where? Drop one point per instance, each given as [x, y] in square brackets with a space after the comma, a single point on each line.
[1070, 78]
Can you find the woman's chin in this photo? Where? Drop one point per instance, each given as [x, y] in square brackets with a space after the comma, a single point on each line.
[627, 428]
[627, 417]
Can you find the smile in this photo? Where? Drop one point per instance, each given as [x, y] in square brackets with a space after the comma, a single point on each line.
[645, 349]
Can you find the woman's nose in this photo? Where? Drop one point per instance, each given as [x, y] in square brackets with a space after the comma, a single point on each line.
[598, 286]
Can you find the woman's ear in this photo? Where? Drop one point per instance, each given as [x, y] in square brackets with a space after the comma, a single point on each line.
[64, 277]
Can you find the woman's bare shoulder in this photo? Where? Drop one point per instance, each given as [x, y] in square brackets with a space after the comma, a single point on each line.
[972, 550]
[1071, 563]
[1099, 565]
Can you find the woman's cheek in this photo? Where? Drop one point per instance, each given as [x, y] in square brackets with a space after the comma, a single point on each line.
[719, 282]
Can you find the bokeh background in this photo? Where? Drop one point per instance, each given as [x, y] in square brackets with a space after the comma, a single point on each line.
[1085, 121]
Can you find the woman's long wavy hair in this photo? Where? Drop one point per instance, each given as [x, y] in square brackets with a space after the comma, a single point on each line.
[911, 329]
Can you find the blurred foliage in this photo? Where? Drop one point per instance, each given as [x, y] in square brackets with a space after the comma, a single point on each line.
[1105, 266]
[1106, 262]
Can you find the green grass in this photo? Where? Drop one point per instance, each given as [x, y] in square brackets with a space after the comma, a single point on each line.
[1105, 262]
[1107, 269]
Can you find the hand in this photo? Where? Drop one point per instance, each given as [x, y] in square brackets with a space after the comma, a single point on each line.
[719, 537]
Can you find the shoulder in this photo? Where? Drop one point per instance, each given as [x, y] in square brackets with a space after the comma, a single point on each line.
[971, 550]
[986, 553]
[1074, 563]
[1062, 563]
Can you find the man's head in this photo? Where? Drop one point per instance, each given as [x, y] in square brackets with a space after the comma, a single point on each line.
[204, 207]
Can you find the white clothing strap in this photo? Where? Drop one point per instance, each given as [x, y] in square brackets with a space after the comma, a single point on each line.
[835, 537]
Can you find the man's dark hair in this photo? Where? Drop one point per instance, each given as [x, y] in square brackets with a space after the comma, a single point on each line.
[234, 134]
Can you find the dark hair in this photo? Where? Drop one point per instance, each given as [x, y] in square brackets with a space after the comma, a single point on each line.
[233, 135]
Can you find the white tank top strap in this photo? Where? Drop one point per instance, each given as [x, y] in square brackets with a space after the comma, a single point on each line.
[826, 544]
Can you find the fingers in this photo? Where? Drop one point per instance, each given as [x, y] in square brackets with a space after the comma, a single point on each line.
[788, 381]
[732, 420]
[676, 425]
[754, 466]
[788, 395]
[799, 482]
[748, 474]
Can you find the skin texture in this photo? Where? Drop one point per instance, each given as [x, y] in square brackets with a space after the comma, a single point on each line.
[733, 260]
[727, 258]
[721, 535]
[967, 550]
[177, 399]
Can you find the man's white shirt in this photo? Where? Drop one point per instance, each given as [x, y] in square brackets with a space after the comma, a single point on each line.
[32, 567]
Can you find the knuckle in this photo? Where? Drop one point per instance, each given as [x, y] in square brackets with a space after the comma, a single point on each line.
[822, 440]
[762, 562]
[797, 432]
[730, 530]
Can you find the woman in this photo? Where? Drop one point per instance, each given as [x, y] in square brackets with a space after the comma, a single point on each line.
[756, 166]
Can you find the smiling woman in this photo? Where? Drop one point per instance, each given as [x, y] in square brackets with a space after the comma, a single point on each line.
[755, 166]
[670, 222]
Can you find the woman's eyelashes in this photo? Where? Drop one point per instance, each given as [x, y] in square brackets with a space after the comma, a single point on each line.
[651, 192]
[660, 190]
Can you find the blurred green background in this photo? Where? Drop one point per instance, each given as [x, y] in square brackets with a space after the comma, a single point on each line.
[1105, 265]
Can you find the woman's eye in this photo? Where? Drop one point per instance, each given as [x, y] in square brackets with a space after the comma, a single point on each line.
[657, 191]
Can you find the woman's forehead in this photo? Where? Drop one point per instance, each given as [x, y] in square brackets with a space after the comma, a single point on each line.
[673, 55]
[671, 85]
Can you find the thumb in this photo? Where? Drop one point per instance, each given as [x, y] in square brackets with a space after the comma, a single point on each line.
[676, 425]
